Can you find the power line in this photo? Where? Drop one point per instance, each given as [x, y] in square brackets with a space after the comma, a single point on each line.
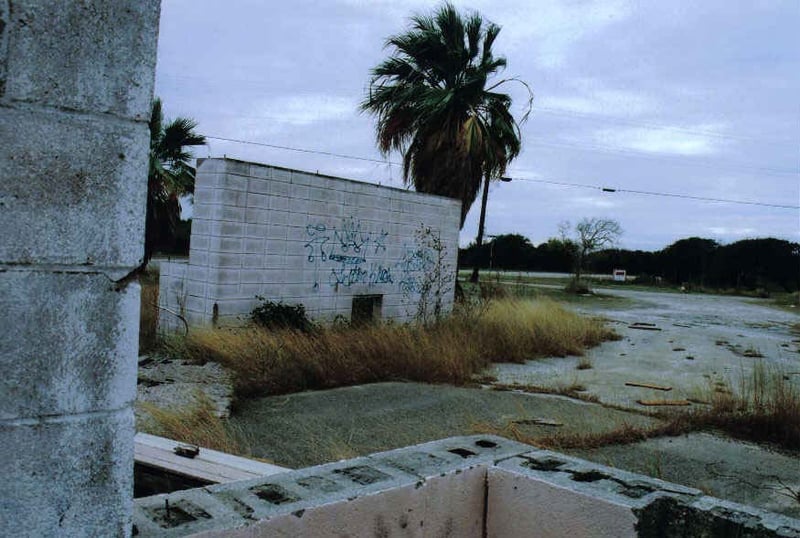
[535, 180]
[655, 193]
[302, 150]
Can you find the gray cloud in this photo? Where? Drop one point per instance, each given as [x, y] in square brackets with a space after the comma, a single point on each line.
[678, 97]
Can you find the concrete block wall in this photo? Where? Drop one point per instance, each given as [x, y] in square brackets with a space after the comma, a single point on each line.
[299, 237]
[76, 83]
[172, 292]
[476, 486]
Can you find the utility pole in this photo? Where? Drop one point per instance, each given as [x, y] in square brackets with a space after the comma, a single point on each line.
[481, 221]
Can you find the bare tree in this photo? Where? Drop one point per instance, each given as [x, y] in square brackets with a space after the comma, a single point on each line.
[590, 235]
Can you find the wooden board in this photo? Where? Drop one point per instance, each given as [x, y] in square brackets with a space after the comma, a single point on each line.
[647, 385]
[663, 402]
[648, 327]
[538, 421]
[209, 465]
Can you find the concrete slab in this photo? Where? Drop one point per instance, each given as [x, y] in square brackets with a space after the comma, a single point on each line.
[702, 344]
[318, 426]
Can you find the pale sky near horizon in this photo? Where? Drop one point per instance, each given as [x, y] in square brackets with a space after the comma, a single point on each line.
[680, 97]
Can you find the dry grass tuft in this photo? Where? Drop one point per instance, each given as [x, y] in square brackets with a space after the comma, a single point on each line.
[198, 425]
[452, 351]
[764, 408]
[148, 313]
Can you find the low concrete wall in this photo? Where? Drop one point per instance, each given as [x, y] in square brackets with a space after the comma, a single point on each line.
[477, 486]
[320, 241]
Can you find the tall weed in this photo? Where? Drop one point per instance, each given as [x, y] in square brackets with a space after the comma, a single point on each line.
[451, 351]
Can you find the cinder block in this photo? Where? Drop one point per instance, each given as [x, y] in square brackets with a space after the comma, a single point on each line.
[198, 242]
[258, 201]
[231, 244]
[297, 178]
[282, 174]
[251, 290]
[197, 272]
[298, 192]
[92, 56]
[219, 260]
[254, 246]
[228, 276]
[278, 217]
[255, 215]
[238, 168]
[279, 203]
[218, 292]
[201, 226]
[68, 344]
[260, 171]
[276, 231]
[563, 496]
[234, 198]
[195, 304]
[71, 189]
[256, 230]
[234, 214]
[251, 276]
[187, 513]
[279, 188]
[68, 478]
[253, 261]
[258, 185]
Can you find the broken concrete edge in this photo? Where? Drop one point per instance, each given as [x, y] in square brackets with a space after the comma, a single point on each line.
[646, 502]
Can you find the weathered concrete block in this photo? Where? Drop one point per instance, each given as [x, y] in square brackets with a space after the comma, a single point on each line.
[710, 517]
[182, 513]
[68, 345]
[237, 168]
[92, 56]
[67, 478]
[563, 496]
[71, 189]
[517, 504]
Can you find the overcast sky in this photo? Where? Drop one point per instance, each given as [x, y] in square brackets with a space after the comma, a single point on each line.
[698, 98]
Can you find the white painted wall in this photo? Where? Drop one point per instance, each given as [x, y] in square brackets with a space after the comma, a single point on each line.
[298, 237]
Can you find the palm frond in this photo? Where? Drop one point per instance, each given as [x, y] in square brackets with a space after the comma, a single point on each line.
[433, 100]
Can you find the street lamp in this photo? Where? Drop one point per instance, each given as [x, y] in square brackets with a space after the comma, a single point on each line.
[481, 222]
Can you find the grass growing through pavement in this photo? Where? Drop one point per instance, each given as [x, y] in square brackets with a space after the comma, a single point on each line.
[765, 408]
[452, 351]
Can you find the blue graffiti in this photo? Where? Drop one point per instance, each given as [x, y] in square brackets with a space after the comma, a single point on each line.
[347, 248]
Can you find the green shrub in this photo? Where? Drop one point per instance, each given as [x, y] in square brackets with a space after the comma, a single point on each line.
[277, 315]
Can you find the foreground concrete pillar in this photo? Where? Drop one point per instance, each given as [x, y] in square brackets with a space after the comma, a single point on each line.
[76, 83]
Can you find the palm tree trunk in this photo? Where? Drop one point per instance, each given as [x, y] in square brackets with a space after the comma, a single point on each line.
[479, 240]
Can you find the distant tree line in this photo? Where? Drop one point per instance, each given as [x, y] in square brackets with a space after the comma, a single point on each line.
[771, 264]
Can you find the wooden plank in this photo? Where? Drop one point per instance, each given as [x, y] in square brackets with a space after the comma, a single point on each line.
[209, 465]
[647, 385]
[663, 402]
[538, 421]
[166, 461]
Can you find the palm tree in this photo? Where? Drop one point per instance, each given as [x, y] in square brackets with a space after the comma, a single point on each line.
[170, 176]
[432, 103]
